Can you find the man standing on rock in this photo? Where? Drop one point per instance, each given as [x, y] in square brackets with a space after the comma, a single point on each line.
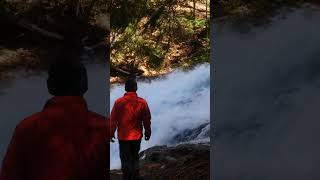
[65, 141]
[129, 115]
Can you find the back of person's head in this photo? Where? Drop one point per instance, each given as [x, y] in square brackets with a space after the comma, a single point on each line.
[67, 78]
[131, 85]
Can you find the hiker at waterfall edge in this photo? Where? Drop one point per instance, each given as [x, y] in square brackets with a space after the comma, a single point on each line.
[64, 141]
[129, 115]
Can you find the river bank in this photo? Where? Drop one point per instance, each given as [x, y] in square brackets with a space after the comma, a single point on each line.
[259, 10]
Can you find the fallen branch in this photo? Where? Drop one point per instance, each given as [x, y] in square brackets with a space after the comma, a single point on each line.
[122, 71]
[138, 73]
[34, 28]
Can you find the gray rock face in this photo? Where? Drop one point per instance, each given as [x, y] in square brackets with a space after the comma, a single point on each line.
[199, 133]
[184, 161]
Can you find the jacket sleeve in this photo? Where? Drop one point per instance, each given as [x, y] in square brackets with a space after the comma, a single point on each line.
[147, 120]
[13, 162]
[114, 119]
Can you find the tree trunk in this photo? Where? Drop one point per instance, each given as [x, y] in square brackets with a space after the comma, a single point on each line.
[194, 9]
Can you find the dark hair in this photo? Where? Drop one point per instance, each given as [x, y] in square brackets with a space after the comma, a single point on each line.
[131, 85]
[67, 78]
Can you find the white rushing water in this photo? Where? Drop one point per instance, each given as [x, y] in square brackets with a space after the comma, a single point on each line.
[177, 102]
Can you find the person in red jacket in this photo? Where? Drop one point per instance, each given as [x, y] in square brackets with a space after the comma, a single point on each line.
[65, 141]
[129, 115]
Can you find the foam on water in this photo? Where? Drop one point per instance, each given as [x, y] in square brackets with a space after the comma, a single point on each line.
[177, 102]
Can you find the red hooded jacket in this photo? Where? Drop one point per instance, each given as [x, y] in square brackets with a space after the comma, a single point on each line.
[128, 115]
[63, 142]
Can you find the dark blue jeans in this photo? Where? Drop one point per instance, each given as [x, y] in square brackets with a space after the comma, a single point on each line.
[129, 155]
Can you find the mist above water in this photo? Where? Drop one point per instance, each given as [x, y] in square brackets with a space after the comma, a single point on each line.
[267, 99]
[177, 102]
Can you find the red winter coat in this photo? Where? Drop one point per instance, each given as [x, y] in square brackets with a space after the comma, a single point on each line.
[128, 115]
[65, 141]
